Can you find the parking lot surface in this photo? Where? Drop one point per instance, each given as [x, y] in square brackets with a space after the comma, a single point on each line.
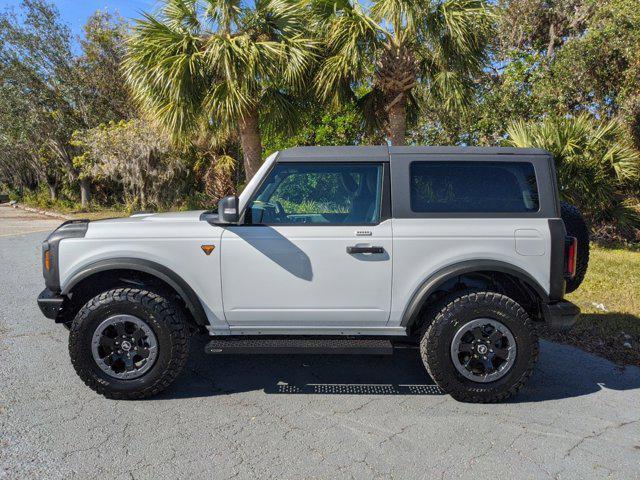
[295, 416]
[15, 221]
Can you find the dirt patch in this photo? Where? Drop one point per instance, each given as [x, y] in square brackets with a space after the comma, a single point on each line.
[33, 216]
[618, 346]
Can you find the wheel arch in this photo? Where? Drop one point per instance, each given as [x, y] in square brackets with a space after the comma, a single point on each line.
[432, 284]
[148, 268]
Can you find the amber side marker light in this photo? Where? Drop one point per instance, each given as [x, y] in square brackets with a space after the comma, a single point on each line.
[208, 249]
[47, 260]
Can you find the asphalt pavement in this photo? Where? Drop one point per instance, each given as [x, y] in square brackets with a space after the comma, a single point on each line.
[14, 221]
[294, 417]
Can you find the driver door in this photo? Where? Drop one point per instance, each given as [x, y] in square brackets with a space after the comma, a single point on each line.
[314, 250]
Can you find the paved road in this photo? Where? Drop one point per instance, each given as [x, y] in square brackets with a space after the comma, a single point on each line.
[297, 417]
[15, 221]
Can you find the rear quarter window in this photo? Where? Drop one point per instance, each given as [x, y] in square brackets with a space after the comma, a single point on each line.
[473, 187]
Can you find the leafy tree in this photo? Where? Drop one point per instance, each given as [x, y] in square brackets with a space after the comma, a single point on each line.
[135, 153]
[340, 126]
[599, 70]
[216, 166]
[47, 92]
[596, 164]
[223, 64]
[219, 177]
[404, 50]
[592, 66]
[541, 25]
[501, 96]
[35, 66]
[18, 162]
[99, 88]
[99, 78]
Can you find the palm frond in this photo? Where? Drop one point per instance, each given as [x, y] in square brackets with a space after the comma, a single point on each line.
[595, 163]
[164, 66]
[299, 58]
[351, 39]
[224, 13]
[323, 12]
[450, 89]
[453, 36]
[403, 16]
[281, 111]
[186, 74]
[182, 14]
[371, 104]
[276, 19]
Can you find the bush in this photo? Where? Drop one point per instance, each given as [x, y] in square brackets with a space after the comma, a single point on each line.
[598, 168]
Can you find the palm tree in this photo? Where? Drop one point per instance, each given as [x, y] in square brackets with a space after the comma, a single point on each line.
[401, 47]
[217, 64]
[597, 164]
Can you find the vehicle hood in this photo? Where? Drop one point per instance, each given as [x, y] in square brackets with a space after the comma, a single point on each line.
[173, 217]
[155, 225]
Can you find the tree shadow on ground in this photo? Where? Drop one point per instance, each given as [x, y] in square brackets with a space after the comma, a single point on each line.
[562, 372]
[603, 333]
[607, 322]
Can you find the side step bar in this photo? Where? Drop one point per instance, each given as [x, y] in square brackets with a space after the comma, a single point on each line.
[298, 346]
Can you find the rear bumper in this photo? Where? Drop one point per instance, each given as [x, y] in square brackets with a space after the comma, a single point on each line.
[561, 315]
[50, 303]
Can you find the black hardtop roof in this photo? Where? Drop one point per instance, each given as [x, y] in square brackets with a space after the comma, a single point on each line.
[382, 152]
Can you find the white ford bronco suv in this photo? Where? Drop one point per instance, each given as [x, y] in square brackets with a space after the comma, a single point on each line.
[331, 250]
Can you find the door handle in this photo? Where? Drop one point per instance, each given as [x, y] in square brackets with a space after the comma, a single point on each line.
[359, 249]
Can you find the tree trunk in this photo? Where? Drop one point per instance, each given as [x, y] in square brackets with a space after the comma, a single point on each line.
[552, 41]
[85, 192]
[53, 191]
[143, 198]
[397, 112]
[249, 130]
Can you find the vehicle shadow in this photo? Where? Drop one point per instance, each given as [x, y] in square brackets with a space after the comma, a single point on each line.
[278, 248]
[562, 372]
[399, 374]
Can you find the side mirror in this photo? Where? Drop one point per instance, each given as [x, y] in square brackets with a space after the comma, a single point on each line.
[229, 210]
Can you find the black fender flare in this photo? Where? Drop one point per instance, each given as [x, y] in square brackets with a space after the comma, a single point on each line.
[168, 276]
[431, 284]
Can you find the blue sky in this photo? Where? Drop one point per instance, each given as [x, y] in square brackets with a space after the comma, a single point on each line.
[76, 12]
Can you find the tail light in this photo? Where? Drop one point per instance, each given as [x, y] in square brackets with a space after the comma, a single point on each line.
[571, 256]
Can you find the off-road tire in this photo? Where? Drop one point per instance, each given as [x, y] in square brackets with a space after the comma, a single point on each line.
[164, 317]
[455, 311]
[576, 227]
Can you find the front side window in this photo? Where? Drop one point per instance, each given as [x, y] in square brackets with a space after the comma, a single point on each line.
[473, 187]
[319, 193]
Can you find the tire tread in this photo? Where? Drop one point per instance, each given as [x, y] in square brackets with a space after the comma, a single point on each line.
[164, 310]
[433, 332]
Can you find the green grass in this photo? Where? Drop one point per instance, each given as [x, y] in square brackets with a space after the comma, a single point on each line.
[613, 283]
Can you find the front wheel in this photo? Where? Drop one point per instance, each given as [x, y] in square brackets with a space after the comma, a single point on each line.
[129, 343]
[480, 347]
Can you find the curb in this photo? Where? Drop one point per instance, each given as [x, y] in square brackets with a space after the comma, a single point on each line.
[42, 212]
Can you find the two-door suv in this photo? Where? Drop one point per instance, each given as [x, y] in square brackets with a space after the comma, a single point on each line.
[330, 250]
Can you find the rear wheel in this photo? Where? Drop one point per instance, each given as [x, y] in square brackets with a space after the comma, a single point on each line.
[480, 347]
[129, 343]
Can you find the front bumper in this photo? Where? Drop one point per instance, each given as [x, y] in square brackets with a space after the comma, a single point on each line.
[561, 315]
[50, 303]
